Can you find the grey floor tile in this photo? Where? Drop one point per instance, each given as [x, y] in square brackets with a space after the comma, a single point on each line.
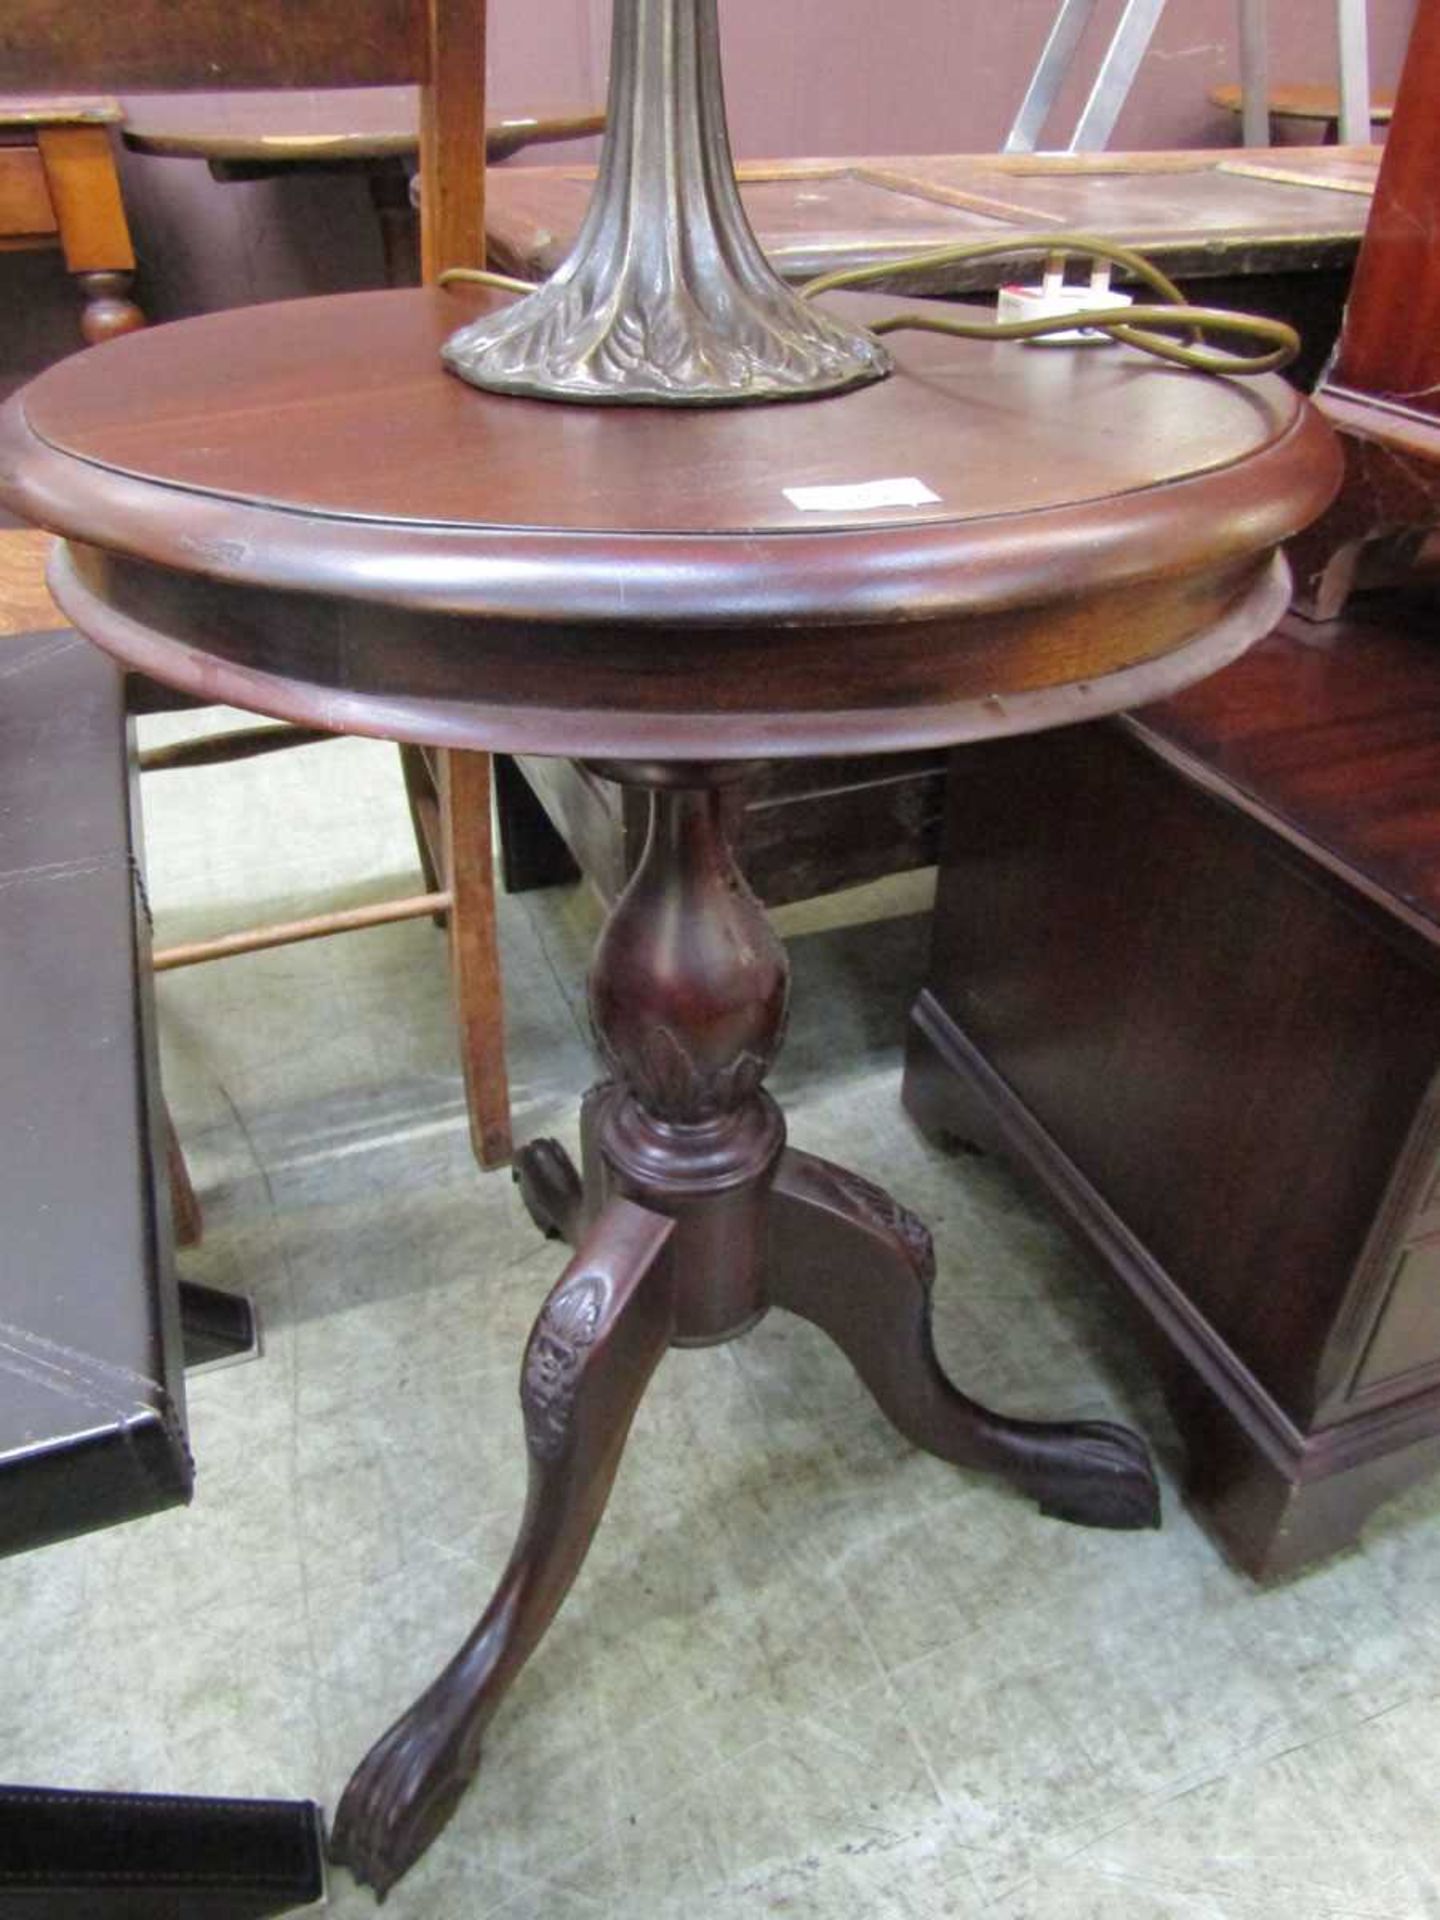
[806, 1672]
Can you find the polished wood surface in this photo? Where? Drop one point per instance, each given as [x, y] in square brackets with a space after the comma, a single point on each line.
[1198, 213]
[616, 531]
[334, 126]
[1225, 1074]
[1381, 388]
[298, 505]
[352, 374]
[1391, 343]
[1334, 733]
[1271, 231]
[600, 1335]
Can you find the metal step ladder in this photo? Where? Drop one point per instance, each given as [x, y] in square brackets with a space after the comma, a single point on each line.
[1121, 62]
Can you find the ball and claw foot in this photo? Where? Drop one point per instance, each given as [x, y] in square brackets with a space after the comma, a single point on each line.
[550, 1188]
[1093, 1473]
[402, 1795]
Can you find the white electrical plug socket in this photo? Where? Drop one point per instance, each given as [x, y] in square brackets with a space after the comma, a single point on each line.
[1053, 297]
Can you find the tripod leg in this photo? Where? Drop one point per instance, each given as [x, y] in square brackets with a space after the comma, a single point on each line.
[558, 1199]
[598, 1339]
[846, 1256]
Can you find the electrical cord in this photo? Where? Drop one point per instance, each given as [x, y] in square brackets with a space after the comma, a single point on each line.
[1137, 326]
[482, 277]
[1134, 325]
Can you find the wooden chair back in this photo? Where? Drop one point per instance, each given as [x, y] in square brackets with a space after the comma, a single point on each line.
[438, 45]
[218, 45]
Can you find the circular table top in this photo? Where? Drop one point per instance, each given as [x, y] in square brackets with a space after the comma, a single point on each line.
[328, 126]
[296, 508]
[1298, 102]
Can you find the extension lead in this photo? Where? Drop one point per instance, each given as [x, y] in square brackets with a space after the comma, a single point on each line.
[1053, 298]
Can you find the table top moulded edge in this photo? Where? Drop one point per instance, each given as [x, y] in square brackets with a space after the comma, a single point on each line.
[177, 582]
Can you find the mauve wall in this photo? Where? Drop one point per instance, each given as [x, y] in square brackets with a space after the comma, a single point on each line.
[804, 77]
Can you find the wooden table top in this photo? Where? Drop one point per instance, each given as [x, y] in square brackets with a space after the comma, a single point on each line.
[333, 126]
[1220, 211]
[55, 110]
[296, 508]
[1297, 102]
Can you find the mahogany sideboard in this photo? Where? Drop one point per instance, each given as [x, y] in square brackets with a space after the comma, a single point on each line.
[1225, 1075]
[1186, 975]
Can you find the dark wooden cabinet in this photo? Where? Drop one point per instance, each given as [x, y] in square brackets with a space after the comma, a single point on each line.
[800, 827]
[1187, 965]
[1186, 973]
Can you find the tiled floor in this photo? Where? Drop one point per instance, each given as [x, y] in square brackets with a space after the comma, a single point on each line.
[806, 1672]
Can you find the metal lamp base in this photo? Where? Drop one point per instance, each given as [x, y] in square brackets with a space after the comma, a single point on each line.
[667, 298]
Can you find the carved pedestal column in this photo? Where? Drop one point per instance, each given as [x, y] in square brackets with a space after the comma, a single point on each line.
[688, 995]
[693, 1219]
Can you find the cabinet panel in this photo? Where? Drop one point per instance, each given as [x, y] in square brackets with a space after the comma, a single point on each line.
[1407, 1337]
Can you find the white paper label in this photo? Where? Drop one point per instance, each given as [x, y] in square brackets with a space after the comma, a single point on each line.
[864, 493]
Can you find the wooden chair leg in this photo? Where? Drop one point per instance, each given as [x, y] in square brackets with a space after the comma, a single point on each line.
[420, 797]
[467, 856]
[185, 1215]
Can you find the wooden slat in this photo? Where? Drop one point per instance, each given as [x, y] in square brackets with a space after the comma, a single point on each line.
[1360, 180]
[209, 44]
[469, 875]
[452, 140]
[25, 206]
[285, 933]
[235, 743]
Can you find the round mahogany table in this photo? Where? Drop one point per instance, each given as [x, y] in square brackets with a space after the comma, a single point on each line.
[296, 510]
